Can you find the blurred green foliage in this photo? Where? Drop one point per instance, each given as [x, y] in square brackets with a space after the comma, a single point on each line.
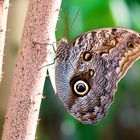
[123, 119]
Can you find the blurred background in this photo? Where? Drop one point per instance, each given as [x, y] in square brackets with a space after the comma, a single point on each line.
[123, 119]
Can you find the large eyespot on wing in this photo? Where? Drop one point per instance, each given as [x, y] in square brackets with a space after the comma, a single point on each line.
[80, 87]
[81, 84]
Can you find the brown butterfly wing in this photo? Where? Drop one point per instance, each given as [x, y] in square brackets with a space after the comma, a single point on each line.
[88, 70]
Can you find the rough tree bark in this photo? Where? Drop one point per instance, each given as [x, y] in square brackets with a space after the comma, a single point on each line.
[4, 4]
[26, 93]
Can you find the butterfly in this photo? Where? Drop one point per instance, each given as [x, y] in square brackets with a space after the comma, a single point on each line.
[89, 68]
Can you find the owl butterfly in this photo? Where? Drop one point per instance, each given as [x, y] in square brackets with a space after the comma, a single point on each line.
[89, 68]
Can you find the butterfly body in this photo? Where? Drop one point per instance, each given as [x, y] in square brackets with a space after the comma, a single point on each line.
[89, 68]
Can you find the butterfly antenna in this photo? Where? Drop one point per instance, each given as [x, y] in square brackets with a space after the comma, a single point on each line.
[66, 31]
[74, 20]
[69, 30]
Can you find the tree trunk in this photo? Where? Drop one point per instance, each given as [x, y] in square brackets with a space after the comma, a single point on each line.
[4, 4]
[28, 81]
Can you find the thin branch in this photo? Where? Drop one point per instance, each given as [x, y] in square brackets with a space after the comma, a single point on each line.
[4, 4]
[26, 93]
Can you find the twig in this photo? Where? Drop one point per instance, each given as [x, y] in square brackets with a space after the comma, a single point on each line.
[4, 4]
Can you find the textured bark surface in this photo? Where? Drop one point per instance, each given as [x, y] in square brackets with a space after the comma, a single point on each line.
[26, 93]
[4, 4]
